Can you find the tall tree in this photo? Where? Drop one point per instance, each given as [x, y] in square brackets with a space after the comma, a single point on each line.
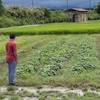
[97, 8]
[1, 7]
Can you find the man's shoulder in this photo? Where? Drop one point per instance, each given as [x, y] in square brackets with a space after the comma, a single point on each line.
[11, 42]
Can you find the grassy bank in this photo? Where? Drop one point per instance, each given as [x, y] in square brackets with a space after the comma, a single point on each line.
[58, 28]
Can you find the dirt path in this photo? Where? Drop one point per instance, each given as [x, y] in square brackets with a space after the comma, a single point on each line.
[34, 90]
[17, 27]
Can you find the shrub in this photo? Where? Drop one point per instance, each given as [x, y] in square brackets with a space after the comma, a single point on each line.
[92, 15]
[1, 7]
[7, 22]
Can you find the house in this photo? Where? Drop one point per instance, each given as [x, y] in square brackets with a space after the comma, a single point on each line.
[79, 14]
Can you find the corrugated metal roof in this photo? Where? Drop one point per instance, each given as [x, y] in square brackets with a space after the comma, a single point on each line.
[78, 9]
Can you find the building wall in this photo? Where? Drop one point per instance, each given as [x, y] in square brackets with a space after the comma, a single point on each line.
[80, 17]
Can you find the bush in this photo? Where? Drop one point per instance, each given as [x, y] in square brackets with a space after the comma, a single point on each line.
[7, 22]
[16, 15]
[1, 8]
[92, 15]
[38, 15]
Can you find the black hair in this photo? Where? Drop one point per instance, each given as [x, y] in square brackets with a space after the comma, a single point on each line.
[12, 36]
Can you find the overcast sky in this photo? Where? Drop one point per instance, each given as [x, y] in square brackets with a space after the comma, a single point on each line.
[52, 3]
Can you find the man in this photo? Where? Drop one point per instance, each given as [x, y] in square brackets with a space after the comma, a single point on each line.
[11, 58]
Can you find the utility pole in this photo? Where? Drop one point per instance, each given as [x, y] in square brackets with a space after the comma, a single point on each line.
[32, 3]
[89, 4]
[67, 4]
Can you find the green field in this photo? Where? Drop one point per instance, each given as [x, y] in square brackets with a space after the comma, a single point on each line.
[71, 60]
[58, 28]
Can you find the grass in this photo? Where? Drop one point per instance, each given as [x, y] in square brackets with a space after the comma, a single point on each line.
[27, 45]
[14, 97]
[2, 96]
[90, 96]
[54, 95]
[24, 93]
[57, 28]
[51, 95]
[10, 88]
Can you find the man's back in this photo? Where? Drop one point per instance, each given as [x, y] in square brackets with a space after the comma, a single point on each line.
[10, 50]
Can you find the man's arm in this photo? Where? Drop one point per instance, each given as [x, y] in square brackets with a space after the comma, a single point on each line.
[15, 51]
[6, 48]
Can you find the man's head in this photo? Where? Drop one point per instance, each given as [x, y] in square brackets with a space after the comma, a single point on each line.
[12, 36]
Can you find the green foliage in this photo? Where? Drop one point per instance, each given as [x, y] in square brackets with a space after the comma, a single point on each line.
[25, 15]
[93, 15]
[28, 45]
[1, 7]
[25, 12]
[59, 16]
[17, 11]
[72, 95]
[25, 93]
[50, 95]
[1, 96]
[36, 15]
[90, 96]
[85, 57]
[11, 88]
[97, 8]
[14, 97]
[57, 28]
[49, 60]
[7, 22]
[46, 11]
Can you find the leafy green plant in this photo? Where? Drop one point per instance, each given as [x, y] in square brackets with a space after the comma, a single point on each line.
[25, 93]
[48, 60]
[85, 57]
[1, 96]
[14, 97]
[11, 88]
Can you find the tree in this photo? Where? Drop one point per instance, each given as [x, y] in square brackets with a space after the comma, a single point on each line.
[97, 8]
[1, 7]
[46, 11]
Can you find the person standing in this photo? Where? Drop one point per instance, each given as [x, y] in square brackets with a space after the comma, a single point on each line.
[11, 58]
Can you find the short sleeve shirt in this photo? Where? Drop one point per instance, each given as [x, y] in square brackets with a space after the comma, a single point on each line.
[10, 50]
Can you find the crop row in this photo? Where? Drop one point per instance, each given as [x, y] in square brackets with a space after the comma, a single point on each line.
[85, 57]
[50, 58]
